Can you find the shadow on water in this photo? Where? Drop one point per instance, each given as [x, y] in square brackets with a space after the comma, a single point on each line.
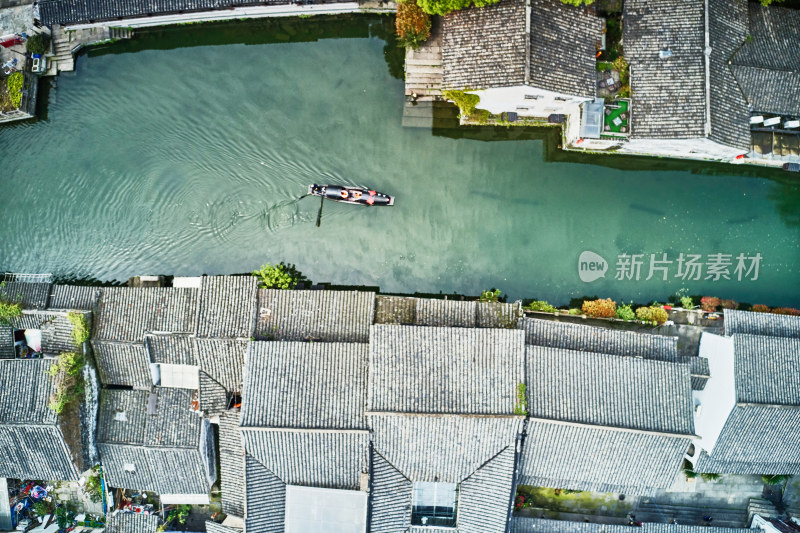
[268, 30]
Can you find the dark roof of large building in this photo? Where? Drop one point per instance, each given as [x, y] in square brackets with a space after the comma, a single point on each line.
[222, 360]
[669, 92]
[172, 349]
[404, 310]
[226, 306]
[305, 385]
[766, 370]
[446, 448]
[609, 390]
[564, 40]
[487, 47]
[265, 497]
[450, 370]
[730, 115]
[767, 66]
[391, 497]
[331, 316]
[31, 443]
[122, 363]
[484, 47]
[599, 459]
[761, 324]
[127, 314]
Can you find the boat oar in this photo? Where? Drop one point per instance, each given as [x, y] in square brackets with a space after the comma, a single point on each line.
[319, 214]
[303, 196]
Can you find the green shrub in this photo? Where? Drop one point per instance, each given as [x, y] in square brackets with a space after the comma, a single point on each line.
[180, 513]
[578, 2]
[773, 479]
[68, 374]
[481, 116]
[80, 327]
[710, 477]
[574, 311]
[538, 305]
[688, 469]
[466, 102]
[443, 7]
[653, 314]
[600, 308]
[14, 84]
[687, 302]
[625, 312]
[280, 276]
[38, 43]
[9, 310]
[729, 304]
[521, 407]
[94, 487]
[492, 295]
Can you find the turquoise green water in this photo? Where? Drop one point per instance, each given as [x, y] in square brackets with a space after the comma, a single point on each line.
[187, 156]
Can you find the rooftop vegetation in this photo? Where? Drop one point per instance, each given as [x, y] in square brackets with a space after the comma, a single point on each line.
[281, 276]
[412, 24]
[68, 374]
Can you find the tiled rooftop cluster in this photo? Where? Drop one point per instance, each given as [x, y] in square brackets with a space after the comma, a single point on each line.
[356, 392]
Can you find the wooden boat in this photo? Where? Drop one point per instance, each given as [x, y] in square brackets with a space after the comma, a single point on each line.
[350, 195]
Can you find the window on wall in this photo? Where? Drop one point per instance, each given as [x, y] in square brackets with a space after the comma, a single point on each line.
[434, 504]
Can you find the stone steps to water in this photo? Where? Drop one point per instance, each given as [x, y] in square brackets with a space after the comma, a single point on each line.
[682, 514]
[425, 62]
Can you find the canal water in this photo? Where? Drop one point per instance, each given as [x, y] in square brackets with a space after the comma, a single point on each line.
[183, 152]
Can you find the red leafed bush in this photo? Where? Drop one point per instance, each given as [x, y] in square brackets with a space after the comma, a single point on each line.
[760, 308]
[729, 304]
[600, 308]
[710, 303]
[786, 311]
[412, 24]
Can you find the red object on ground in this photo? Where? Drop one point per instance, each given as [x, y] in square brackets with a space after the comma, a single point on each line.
[11, 42]
[668, 308]
[740, 156]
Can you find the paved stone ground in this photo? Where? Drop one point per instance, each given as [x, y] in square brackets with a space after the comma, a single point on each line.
[791, 496]
[72, 492]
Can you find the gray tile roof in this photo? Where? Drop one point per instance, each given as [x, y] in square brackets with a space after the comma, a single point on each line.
[524, 524]
[484, 47]
[74, 297]
[222, 360]
[171, 349]
[165, 447]
[390, 497]
[120, 522]
[305, 385]
[212, 397]
[126, 314]
[450, 370]
[669, 98]
[444, 447]
[609, 390]
[6, 342]
[766, 369]
[31, 443]
[122, 416]
[564, 41]
[332, 316]
[652, 527]
[30, 295]
[730, 115]
[761, 324]
[55, 326]
[35, 452]
[430, 312]
[599, 459]
[771, 91]
[484, 503]
[214, 527]
[395, 310]
[122, 363]
[599, 339]
[25, 389]
[226, 306]
[231, 459]
[266, 498]
[322, 458]
[757, 439]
